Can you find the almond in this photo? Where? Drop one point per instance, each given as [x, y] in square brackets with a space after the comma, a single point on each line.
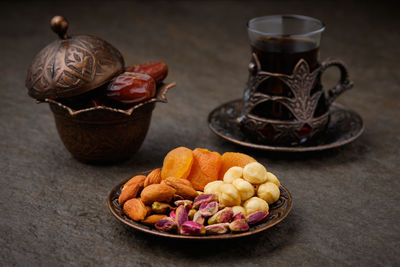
[152, 219]
[182, 186]
[149, 210]
[181, 181]
[131, 188]
[135, 209]
[178, 197]
[136, 179]
[157, 192]
[153, 178]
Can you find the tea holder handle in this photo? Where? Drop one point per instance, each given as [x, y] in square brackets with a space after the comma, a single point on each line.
[344, 83]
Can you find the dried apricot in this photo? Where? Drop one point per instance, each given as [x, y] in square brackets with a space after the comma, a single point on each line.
[231, 159]
[205, 169]
[177, 163]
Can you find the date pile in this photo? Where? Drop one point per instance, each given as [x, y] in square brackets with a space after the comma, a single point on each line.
[201, 192]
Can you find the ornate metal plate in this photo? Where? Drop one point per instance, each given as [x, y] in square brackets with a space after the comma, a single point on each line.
[277, 212]
[344, 127]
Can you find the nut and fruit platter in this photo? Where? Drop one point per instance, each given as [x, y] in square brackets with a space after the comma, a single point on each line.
[200, 193]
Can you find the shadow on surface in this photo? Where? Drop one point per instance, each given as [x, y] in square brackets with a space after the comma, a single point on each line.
[353, 151]
[263, 243]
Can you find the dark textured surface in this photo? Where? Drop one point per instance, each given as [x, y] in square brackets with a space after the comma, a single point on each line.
[53, 208]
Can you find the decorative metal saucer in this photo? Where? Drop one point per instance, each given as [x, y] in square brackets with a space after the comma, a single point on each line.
[344, 126]
[277, 212]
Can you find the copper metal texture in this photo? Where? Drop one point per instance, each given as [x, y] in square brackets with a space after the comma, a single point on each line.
[72, 65]
[277, 212]
[302, 104]
[103, 135]
[343, 127]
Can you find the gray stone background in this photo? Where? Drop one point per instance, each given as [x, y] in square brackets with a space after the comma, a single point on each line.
[346, 200]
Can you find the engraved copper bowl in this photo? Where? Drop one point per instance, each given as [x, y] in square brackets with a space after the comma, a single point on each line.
[102, 134]
[64, 73]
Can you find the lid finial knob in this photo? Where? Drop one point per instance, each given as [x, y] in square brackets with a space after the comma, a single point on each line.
[59, 25]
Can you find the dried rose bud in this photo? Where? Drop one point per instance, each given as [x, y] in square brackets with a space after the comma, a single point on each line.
[165, 225]
[198, 218]
[181, 215]
[219, 228]
[172, 214]
[186, 203]
[208, 209]
[204, 198]
[239, 226]
[192, 228]
[222, 216]
[257, 217]
[238, 216]
[160, 208]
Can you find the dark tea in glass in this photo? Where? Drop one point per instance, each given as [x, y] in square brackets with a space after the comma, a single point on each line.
[279, 45]
[284, 101]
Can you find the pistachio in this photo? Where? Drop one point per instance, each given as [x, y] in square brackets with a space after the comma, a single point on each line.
[186, 203]
[221, 216]
[257, 217]
[208, 209]
[181, 215]
[172, 214]
[238, 216]
[191, 214]
[204, 198]
[239, 226]
[198, 218]
[192, 228]
[218, 228]
[165, 225]
[160, 208]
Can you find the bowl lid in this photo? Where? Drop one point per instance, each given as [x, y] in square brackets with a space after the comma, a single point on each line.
[72, 65]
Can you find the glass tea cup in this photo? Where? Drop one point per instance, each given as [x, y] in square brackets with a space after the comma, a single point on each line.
[284, 101]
